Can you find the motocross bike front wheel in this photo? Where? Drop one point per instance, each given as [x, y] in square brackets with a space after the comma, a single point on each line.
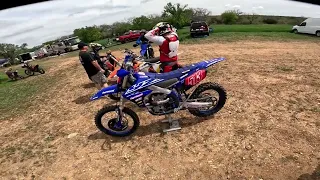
[118, 125]
[217, 101]
[41, 71]
[29, 72]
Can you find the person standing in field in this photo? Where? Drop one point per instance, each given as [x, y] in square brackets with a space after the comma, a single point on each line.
[92, 67]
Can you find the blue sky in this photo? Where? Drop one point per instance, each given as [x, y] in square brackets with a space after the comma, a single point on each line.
[45, 21]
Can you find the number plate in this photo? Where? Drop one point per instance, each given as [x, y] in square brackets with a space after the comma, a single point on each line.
[195, 78]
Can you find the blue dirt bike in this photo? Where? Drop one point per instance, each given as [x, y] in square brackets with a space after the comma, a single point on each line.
[160, 94]
[146, 50]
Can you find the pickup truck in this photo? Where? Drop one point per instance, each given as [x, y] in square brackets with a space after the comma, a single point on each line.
[128, 36]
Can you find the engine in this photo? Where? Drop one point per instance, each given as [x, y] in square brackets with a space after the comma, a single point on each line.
[160, 103]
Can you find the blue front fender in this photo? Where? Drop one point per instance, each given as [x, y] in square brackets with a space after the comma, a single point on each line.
[105, 91]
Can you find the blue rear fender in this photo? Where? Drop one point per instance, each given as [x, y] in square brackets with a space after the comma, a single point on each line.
[105, 91]
[207, 63]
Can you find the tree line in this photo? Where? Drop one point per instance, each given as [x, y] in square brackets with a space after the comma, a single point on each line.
[178, 15]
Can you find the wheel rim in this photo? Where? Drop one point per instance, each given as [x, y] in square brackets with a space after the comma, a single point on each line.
[208, 97]
[117, 124]
[28, 72]
[318, 34]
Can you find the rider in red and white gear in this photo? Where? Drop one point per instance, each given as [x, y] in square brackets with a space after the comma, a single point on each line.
[164, 35]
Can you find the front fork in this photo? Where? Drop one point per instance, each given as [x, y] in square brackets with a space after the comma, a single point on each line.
[121, 106]
[120, 113]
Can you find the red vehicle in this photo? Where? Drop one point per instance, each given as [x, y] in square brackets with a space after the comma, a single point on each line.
[129, 36]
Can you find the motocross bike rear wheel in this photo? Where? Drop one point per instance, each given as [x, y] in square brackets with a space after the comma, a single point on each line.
[117, 126]
[200, 94]
[41, 71]
[29, 72]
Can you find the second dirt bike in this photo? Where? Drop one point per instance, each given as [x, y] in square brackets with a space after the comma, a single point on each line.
[30, 70]
[146, 50]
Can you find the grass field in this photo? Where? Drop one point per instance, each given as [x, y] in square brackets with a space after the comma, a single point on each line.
[17, 96]
[251, 28]
[229, 33]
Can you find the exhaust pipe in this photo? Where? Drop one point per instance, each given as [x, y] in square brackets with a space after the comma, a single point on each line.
[159, 89]
[197, 105]
[160, 102]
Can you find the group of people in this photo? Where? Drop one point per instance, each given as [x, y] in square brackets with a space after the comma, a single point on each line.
[163, 34]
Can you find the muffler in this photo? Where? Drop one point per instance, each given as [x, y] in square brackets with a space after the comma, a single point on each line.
[155, 103]
[159, 89]
[197, 105]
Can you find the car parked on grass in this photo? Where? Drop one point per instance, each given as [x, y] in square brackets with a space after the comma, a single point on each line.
[309, 26]
[4, 63]
[128, 36]
[199, 28]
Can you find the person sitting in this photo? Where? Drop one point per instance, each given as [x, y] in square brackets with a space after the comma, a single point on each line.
[9, 73]
[164, 35]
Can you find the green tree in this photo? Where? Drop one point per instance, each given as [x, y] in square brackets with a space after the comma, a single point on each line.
[118, 28]
[229, 17]
[88, 34]
[106, 31]
[142, 22]
[24, 46]
[176, 14]
[253, 17]
[10, 51]
[200, 14]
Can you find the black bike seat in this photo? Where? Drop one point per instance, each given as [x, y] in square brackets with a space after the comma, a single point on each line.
[152, 60]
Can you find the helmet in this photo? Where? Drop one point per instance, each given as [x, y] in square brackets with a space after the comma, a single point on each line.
[94, 45]
[164, 28]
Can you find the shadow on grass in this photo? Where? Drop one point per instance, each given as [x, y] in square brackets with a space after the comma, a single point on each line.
[153, 128]
[7, 80]
[88, 85]
[83, 99]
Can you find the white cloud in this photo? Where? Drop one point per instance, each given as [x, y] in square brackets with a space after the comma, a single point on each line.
[236, 6]
[41, 22]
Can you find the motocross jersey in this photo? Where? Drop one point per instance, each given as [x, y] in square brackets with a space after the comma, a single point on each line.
[168, 45]
[142, 40]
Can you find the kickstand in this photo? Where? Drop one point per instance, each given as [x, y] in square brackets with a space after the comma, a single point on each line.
[173, 124]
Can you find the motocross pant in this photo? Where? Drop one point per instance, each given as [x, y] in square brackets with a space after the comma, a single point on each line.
[169, 66]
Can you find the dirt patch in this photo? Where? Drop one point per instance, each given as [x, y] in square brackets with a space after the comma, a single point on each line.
[268, 129]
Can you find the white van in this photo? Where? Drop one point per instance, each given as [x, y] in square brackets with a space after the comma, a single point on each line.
[309, 26]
